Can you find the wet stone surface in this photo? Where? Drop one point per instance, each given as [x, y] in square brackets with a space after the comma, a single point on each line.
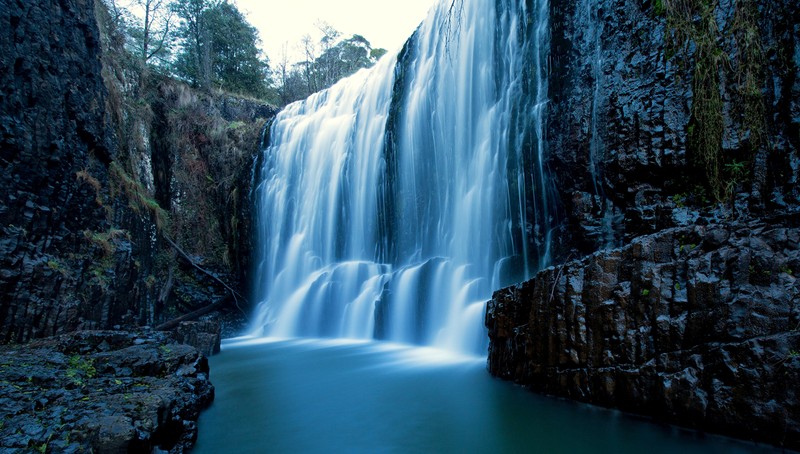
[102, 391]
[697, 326]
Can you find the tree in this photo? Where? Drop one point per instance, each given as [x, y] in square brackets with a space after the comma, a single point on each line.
[194, 61]
[127, 24]
[236, 63]
[147, 26]
[156, 27]
[287, 80]
[376, 54]
[325, 63]
[119, 15]
[220, 48]
[307, 66]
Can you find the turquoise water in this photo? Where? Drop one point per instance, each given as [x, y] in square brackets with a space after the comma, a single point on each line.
[317, 396]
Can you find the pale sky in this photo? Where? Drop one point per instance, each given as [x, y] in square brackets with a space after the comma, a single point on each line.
[384, 23]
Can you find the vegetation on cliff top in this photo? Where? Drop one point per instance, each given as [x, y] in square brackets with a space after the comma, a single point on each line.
[177, 184]
[211, 45]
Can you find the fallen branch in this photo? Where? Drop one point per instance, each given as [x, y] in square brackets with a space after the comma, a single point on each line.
[186, 256]
[166, 326]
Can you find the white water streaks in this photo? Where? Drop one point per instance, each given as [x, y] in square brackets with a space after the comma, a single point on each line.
[392, 204]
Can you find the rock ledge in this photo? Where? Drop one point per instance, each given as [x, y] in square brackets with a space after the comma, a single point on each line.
[102, 391]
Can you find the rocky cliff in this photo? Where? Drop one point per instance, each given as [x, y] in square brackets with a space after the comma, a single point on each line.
[644, 121]
[673, 146]
[104, 167]
[52, 128]
[698, 326]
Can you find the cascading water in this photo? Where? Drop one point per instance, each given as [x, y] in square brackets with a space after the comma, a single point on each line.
[392, 204]
[605, 208]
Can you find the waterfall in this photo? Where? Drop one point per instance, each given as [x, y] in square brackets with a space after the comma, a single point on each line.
[392, 204]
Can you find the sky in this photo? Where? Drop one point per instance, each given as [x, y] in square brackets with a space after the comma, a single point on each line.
[384, 23]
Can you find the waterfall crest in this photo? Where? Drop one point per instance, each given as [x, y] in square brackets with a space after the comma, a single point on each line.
[392, 204]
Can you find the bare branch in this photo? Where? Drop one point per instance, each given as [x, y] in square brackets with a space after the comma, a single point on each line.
[191, 261]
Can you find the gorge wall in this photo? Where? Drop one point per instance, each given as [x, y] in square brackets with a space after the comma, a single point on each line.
[103, 164]
[629, 122]
[694, 325]
[661, 301]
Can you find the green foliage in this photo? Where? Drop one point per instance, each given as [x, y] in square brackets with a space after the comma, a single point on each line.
[236, 125]
[79, 369]
[220, 48]
[150, 282]
[326, 62]
[645, 292]
[750, 72]
[693, 21]
[696, 197]
[237, 66]
[376, 54]
[343, 59]
[737, 173]
[55, 265]
[211, 45]
[658, 7]
[149, 28]
[193, 62]
[139, 198]
[105, 240]
[692, 31]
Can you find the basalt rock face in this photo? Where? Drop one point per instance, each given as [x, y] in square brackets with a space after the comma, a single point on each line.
[616, 130]
[101, 160]
[626, 114]
[698, 326]
[51, 128]
[672, 306]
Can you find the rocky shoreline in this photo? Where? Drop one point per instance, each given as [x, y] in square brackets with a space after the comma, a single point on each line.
[102, 391]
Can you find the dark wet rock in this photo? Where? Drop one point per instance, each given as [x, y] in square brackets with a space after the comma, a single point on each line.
[203, 335]
[51, 128]
[76, 253]
[695, 320]
[104, 391]
[621, 100]
[698, 326]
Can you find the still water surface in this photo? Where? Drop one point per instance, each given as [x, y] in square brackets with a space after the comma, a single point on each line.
[321, 396]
